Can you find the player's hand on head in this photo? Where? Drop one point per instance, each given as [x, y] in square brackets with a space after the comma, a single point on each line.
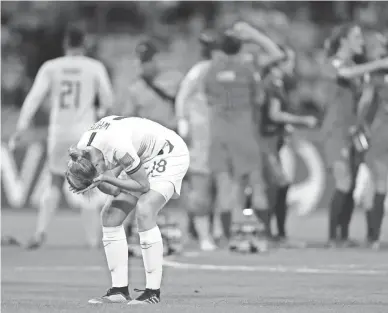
[100, 178]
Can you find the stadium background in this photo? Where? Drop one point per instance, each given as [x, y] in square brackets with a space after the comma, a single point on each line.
[31, 34]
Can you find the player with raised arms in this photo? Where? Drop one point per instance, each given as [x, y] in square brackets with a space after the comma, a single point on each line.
[152, 162]
[71, 84]
[376, 117]
[344, 45]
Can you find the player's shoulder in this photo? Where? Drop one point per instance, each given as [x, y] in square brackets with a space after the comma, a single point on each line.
[198, 69]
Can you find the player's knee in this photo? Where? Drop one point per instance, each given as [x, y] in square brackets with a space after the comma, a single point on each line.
[259, 198]
[342, 176]
[226, 193]
[146, 214]
[380, 173]
[51, 196]
[199, 203]
[114, 212]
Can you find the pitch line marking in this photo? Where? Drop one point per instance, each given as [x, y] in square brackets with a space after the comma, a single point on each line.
[272, 269]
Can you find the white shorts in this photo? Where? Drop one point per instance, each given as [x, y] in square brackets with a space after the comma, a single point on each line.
[168, 169]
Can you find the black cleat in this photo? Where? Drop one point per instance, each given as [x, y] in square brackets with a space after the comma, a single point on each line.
[149, 296]
[36, 241]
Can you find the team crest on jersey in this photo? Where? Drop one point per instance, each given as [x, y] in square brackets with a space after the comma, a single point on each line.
[226, 76]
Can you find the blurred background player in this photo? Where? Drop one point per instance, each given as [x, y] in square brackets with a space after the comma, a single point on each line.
[193, 125]
[152, 96]
[273, 119]
[345, 44]
[232, 90]
[376, 118]
[72, 83]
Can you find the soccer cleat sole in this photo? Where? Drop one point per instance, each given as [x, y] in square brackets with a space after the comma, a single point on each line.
[109, 300]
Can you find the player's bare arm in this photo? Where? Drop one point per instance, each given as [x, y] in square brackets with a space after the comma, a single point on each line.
[248, 33]
[277, 115]
[108, 188]
[349, 72]
[33, 101]
[105, 91]
[138, 181]
[188, 87]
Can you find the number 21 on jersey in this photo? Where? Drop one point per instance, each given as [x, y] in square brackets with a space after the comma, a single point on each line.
[69, 96]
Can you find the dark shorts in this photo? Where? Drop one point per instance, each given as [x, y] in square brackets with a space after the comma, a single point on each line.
[239, 158]
[378, 151]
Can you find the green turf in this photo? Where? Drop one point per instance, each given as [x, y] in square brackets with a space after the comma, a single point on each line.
[63, 275]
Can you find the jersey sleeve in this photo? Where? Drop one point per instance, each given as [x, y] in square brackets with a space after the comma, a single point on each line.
[35, 97]
[104, 87]
[126, 155]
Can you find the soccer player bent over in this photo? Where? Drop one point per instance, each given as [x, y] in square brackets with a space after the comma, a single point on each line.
[152, 162]
[72, 83]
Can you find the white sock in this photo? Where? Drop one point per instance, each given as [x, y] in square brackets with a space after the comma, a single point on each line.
[48, 206]
[116, 251]
[152, 250]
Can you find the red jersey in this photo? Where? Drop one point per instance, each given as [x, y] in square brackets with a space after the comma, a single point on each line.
[232, 88]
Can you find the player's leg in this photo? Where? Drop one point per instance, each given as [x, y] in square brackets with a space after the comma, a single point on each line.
[47, 207]
[90, 215]
[340, 199]
[354, 161]
[337, 157]
[260, 201]
[199, 206]
[225, 201]
[113, 214]
[151, 241]
[171, 167]
[379, 170]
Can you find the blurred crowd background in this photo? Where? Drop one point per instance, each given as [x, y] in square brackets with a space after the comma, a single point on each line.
[32, 33]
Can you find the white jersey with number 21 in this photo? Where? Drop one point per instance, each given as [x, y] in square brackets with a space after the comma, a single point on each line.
[72, 84]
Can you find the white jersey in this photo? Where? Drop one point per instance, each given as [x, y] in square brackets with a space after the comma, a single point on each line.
[128, 141]
[191, 98]
[72, 83]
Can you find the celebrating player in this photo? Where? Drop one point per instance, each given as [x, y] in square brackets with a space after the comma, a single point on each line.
[152, 161]
[343, 46]
[193, 125]
[377, 156]
[232, 90]
[274, 118]
[72, 82]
